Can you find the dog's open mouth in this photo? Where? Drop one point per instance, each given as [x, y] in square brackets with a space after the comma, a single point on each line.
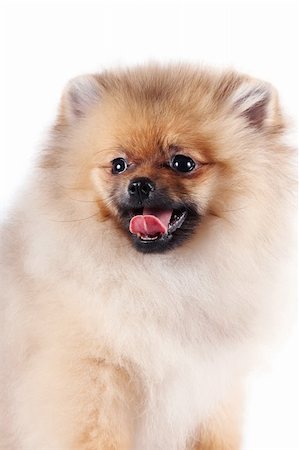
[151, 224]
[155, 229]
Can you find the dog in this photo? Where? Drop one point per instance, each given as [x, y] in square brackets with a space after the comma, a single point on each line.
[146, 262]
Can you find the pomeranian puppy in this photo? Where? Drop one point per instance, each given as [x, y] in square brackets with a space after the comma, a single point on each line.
[144, 263]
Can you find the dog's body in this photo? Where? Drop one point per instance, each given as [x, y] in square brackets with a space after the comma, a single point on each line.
[107, 347]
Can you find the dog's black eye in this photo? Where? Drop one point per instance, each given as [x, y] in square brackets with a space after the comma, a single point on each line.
[182, 163]
[119, 165]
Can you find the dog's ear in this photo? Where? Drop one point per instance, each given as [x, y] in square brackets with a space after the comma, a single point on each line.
[79, 96]
[257, 102]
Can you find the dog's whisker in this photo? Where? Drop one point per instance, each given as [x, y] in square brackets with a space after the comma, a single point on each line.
[76, 220]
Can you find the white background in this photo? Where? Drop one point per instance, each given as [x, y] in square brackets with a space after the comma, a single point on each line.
[43, 44]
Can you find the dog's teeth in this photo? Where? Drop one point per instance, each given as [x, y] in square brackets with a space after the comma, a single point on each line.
[148, 238]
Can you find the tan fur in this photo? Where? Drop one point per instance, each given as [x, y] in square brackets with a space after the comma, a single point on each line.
[105, 348]
[223, 431]
[109, 425]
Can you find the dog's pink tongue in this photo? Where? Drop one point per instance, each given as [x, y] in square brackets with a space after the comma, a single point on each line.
[151, 222]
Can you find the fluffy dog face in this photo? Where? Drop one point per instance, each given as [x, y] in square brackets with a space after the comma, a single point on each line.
[153, 203]
[162, 149]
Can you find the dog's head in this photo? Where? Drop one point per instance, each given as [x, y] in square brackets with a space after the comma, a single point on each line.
[163, 148]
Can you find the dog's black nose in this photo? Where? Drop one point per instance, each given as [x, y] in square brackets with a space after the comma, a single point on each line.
[140, 188]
